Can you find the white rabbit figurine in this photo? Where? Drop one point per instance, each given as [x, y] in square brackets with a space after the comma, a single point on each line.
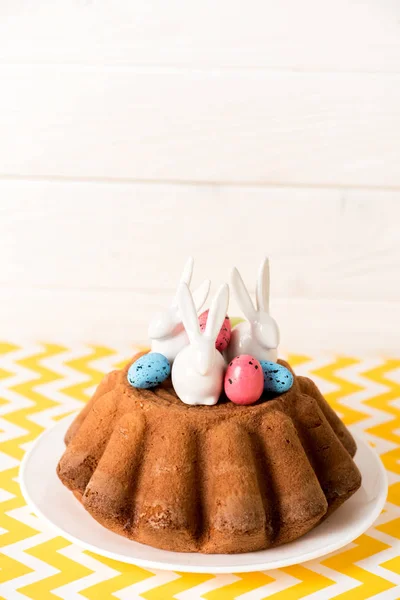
[259, 335]
[166, 330]
[198, 370]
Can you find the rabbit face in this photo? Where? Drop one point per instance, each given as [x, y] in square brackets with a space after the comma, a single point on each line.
[165, 324]
[204, 351]
[265, 331]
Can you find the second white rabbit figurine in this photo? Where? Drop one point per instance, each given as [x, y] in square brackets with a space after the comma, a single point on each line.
[166, 330]
[259, 335]
[198, 370]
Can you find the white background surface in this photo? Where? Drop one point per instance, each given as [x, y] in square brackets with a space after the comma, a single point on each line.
[134, 134]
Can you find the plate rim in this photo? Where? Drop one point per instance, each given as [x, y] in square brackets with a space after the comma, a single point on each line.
[216, 570]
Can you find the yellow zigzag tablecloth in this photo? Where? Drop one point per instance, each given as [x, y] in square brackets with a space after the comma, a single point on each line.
[41, 383]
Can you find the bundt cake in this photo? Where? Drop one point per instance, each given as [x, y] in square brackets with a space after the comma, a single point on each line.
[213, 479]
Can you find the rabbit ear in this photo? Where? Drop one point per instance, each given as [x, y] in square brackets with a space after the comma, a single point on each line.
[262, 289]
[187, 272]
[200, 294]
[242, 295]
[188, 312]
[186, 277]
[217, 312]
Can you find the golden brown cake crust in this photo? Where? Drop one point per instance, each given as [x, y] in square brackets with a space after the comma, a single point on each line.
[224, 478]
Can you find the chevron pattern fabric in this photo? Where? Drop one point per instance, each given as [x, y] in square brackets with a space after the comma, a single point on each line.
[42, 383]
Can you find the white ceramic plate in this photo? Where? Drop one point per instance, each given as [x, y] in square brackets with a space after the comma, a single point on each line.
[54, 503]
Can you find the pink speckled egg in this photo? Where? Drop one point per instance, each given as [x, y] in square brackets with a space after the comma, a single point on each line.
[224, 335]
[244, 380]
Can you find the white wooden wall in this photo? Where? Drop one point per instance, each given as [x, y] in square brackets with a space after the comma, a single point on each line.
[134, 133]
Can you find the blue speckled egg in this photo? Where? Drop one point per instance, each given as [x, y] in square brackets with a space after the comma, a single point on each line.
[149, 370]
[277, 378]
